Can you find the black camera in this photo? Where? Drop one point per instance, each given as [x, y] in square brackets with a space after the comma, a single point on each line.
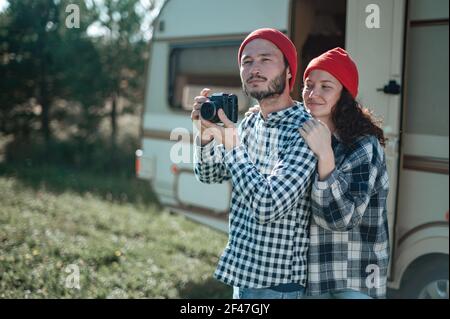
[227, 102]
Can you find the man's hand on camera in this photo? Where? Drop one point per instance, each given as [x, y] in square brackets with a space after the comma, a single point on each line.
[227, 134]
[206, 135]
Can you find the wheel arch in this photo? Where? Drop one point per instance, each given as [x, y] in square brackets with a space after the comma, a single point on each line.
[418, 248]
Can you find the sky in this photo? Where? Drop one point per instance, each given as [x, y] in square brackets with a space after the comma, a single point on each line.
[3, 5]
[97, 30]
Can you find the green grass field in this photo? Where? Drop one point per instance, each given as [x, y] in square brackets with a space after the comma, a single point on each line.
[110, 229]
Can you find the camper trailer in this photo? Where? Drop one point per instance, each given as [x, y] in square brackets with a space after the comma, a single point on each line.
[401, 48]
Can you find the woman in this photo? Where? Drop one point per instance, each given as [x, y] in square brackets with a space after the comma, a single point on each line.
[348, 253]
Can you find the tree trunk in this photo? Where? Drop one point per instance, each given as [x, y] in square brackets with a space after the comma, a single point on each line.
[114, 126]
[44, 85]
[45, 118]
[44, 101]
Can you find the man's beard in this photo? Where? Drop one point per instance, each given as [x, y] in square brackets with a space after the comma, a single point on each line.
[276, 87]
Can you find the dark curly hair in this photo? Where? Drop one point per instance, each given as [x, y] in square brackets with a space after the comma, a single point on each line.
[352, 121]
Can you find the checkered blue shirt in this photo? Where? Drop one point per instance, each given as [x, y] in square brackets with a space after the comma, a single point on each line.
[349, 231]
[271, 173]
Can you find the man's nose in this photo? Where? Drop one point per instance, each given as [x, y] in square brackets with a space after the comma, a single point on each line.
[255, 71]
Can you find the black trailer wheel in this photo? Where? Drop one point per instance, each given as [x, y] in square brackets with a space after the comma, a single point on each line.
[427, 279]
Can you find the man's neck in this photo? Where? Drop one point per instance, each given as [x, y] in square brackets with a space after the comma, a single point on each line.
[275, 104]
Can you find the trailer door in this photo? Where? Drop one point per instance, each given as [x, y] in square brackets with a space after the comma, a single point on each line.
[374, 38]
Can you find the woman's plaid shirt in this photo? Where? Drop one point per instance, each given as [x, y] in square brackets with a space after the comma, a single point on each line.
[271, 173]
[349, 231]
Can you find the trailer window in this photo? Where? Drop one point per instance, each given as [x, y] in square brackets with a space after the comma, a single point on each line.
[428, 81]
[195, 67]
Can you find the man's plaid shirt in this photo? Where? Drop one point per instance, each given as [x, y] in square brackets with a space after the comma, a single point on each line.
[271, 173]
[349, 231]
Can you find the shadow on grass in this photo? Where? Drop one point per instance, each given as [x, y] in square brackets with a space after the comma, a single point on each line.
[115, 188]
[210, 289]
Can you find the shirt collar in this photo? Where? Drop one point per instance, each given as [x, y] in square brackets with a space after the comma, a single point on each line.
[285, 116]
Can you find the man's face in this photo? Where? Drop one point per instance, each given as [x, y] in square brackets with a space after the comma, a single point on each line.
[321, 92]
[263, 70]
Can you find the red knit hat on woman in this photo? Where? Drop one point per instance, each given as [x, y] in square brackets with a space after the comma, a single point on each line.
[338, 63]
[281, 41]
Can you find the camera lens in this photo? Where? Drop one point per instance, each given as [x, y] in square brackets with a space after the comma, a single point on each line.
[208, 111]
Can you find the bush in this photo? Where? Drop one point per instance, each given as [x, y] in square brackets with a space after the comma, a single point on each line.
[95, 155]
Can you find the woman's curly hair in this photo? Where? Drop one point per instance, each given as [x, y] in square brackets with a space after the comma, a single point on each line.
[352, 121]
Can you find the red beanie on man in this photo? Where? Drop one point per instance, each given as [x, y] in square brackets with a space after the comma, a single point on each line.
[281, 41]
[338, 63]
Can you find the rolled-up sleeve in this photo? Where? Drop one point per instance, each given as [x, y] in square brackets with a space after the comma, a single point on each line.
[208, 163]
[339, 202]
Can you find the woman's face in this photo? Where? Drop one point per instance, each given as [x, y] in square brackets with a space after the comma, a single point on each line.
[321, 92]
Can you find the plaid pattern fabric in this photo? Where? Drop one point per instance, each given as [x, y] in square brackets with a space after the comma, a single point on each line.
[271, 173]
[349, 231]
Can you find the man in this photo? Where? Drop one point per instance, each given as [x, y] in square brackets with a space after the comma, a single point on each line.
[270, 168]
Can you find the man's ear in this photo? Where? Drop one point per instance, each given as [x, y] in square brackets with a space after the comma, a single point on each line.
[288, 71]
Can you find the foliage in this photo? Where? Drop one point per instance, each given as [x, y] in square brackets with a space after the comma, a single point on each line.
[58, 81]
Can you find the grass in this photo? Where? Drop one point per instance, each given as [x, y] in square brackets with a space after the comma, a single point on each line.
[58, 180]
[123, 244]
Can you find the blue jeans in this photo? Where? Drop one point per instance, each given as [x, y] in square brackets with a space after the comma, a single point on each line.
[343, 294]
[265, 293]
